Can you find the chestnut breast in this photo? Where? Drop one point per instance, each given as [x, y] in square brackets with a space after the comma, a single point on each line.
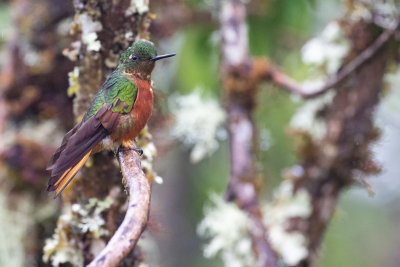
[129, 125]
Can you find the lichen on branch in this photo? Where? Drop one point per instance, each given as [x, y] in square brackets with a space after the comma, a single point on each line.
[101, 31]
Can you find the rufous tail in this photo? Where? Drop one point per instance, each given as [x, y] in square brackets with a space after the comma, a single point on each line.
[76, 147]
[67, 176]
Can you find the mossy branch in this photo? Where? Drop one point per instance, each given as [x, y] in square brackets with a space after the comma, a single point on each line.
[271, 73]
[135, 221]
[240, 86]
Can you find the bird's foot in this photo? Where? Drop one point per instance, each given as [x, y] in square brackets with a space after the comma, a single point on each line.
[137, 149]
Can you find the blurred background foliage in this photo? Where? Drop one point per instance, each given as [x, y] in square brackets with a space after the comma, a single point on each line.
[364, 231]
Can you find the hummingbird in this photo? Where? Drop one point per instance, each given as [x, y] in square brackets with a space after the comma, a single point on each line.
[117, 114]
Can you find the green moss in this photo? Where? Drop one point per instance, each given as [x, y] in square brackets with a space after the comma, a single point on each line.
[76, 220]
[73, 78]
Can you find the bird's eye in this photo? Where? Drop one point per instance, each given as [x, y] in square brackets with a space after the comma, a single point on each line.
[134, 58]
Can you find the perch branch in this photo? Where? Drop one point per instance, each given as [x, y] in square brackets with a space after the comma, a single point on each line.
[272, 73]
[134, 223]
[236, 73]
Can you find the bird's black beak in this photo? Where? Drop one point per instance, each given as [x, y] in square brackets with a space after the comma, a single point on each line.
[161, 57]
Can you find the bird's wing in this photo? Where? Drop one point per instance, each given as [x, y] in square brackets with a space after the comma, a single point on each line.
[121, 94]
[118, 93]
[116, 97]
[57, 154]
[72, 154]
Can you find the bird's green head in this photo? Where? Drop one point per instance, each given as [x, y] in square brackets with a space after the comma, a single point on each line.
[139, 59]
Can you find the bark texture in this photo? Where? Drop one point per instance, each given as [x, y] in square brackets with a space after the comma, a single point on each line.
[237, 70]
[33, 79]
[128, 233]
[344, 153]
[102, 30]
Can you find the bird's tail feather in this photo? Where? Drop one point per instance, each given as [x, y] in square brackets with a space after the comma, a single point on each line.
[64, 143]
[67, 176]
[73, 153]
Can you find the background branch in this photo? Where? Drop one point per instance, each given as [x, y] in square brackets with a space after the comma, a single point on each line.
[240, 95]
[330, 165]
[270, 72]
[134, 223]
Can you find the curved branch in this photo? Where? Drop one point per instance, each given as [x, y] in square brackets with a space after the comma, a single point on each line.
[134, 223]
[273, 74]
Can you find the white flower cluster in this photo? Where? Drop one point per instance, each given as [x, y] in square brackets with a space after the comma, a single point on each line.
[382, 12]
[149, 152]
[198, 123]
[89, 32]
[83, 218]
[73, 80]
[325, 54]
[137, 6]
[304, 118]
[60, 249]
[291, 246]
[91, 220]
[328, 49]
[226, 226]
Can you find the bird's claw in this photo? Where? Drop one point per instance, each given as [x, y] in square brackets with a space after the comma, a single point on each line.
[137, 149]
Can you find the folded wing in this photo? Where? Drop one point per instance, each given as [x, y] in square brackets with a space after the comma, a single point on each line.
[77, 146]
